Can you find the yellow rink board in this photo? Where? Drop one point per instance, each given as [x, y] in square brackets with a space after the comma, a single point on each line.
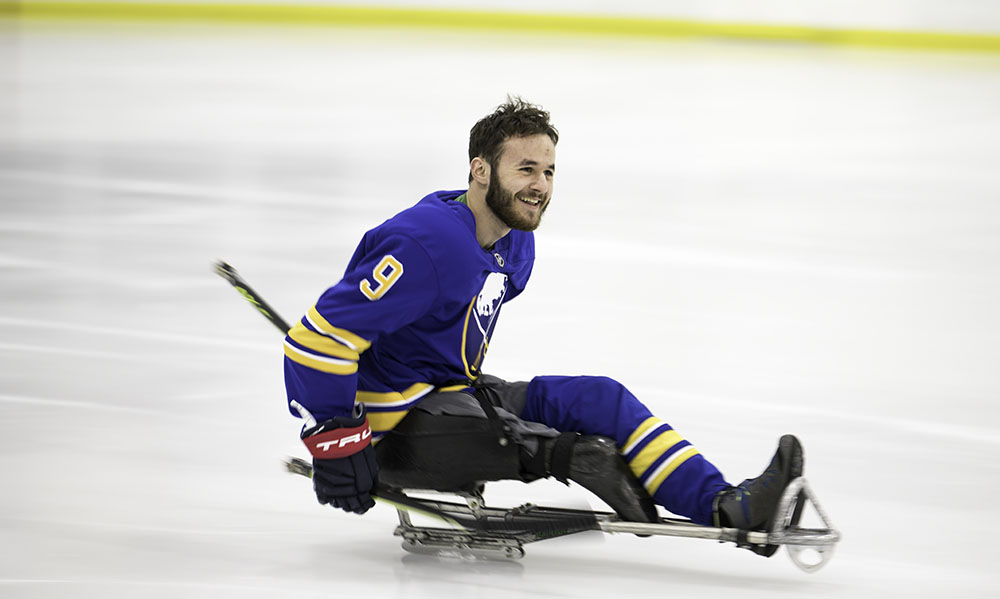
[472, 20]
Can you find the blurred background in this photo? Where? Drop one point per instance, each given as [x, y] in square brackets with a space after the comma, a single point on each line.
[769, 217]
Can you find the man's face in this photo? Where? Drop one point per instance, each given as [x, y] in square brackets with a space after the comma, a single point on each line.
[521, 181]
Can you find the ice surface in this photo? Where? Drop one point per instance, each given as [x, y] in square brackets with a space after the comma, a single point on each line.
[756, 238]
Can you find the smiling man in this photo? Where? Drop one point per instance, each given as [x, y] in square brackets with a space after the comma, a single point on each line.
[403, 335]
[512, 190]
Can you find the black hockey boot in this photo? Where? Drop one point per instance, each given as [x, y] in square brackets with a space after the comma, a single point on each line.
[594, 463]
[752, 504]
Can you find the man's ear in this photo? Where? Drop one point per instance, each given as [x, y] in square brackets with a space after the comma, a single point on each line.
[480, 170]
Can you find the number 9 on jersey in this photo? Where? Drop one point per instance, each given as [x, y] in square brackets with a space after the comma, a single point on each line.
[386, 273]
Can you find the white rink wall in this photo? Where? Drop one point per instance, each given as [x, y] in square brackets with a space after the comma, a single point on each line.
[955, 16]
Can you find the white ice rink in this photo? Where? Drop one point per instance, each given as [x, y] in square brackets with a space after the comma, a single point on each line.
[755, 238]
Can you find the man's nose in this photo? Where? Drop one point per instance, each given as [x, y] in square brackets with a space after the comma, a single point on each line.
[540, 183]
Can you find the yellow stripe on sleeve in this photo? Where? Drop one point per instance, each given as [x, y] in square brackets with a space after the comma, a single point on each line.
[321, 343]
[330, 365]
[343, 335]
[667, 468]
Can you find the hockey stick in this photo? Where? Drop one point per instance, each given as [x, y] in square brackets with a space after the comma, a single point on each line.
[229, 273]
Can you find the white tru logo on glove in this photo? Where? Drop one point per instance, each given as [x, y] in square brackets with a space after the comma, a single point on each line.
[360, 437]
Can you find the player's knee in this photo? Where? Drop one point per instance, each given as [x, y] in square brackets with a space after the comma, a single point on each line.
[608, 386]
[603, 395]
[578, 386]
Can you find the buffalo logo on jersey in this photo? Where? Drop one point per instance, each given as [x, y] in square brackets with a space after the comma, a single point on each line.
[481, 318]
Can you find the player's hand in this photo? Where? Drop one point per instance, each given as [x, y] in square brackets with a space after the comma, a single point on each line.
[344, 466]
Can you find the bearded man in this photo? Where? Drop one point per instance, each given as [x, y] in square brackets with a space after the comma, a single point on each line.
[397, 346]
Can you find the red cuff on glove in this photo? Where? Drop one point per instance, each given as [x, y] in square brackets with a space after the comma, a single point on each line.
[340, 442]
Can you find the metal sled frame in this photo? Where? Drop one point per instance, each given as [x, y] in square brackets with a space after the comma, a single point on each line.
[483, 532]
[479, 532]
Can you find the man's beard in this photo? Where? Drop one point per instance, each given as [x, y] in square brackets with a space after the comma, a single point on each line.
[503, 203]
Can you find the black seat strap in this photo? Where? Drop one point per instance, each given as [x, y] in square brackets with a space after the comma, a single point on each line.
[562, 455]
[496, 423]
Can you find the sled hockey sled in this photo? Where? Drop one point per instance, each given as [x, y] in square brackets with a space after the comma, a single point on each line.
[419, 457]
[480, 532]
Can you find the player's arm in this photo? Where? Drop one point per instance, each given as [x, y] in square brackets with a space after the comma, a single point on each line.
[389, 283]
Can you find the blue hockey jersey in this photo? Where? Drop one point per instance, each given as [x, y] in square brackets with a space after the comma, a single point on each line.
[414, 312]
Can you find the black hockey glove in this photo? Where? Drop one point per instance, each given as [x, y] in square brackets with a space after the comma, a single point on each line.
[344, 466]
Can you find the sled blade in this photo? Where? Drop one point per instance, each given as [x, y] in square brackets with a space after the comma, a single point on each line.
[809, 548]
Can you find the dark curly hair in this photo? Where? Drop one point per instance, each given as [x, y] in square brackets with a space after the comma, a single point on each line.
[514, 118]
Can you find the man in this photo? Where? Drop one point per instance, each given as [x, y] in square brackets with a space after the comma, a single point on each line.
[407, 328]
